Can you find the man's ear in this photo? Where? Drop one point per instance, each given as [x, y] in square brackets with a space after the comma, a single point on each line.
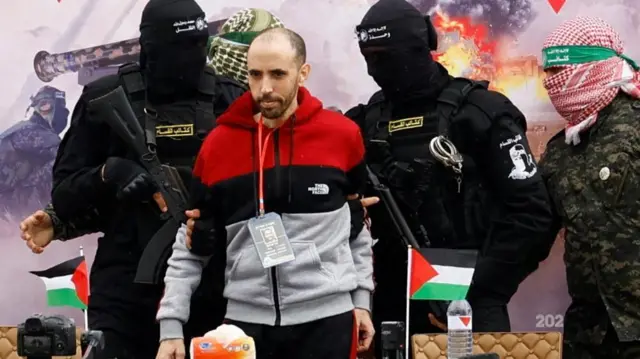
[305, 70]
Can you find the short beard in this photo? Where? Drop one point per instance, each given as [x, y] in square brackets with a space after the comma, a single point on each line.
[277, 113]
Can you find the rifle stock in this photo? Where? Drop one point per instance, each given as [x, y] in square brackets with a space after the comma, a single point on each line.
[114, 108]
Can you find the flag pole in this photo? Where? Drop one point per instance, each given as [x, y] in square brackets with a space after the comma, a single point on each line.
[86, 315]
[406, 319]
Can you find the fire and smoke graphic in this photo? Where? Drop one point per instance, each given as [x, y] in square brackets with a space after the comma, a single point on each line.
[469, 49]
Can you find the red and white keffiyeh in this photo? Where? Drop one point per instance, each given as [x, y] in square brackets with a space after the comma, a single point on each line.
[580, 91]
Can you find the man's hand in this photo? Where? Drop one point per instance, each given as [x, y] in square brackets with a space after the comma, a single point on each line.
[171, 349]
[162, 204]
[131, 181]
[366, 202]
[37, 231]
[436, 323]
[365, 329]
[191, 222]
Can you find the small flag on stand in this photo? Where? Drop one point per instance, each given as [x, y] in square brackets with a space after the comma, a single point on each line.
[440, 274]
[437, 274]
[67, 283]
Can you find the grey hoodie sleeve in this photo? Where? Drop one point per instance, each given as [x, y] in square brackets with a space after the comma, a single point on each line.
[362, 253]
[181, 280]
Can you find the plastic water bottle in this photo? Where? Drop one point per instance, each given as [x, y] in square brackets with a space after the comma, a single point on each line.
[459, 326]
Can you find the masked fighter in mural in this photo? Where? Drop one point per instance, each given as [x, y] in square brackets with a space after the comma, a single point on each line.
[27, 153]
[463, 174]
[114, 193]
[593, 175]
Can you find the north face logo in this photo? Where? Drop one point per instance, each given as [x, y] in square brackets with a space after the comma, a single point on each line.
[319, 189]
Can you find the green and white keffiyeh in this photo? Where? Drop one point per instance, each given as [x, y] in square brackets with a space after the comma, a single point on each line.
[228, 50]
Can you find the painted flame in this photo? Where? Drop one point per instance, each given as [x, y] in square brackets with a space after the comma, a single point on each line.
[465, 49]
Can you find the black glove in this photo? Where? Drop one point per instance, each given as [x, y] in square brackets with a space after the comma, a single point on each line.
[131, 181]
[357, 217]
[205, 236]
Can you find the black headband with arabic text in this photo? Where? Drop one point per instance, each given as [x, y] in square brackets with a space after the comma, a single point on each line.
[411, 31]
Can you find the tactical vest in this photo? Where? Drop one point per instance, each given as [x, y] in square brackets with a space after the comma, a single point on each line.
[442, 207]
[176, 140]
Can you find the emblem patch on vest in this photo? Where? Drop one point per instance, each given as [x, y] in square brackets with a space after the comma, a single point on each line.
[174, 130]
[406, 124]
[523, 165]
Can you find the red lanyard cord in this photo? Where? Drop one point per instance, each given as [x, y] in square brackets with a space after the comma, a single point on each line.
[262, 152]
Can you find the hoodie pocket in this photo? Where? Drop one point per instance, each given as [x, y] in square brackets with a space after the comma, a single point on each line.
[305, 278]
[246, 280]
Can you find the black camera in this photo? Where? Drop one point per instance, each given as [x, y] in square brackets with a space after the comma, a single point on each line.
[393, 339]
[42, 337]
[46, 336]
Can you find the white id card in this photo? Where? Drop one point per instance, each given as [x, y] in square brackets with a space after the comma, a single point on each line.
[270, 240]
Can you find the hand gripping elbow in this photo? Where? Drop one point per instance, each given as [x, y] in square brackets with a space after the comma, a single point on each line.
[204, 237]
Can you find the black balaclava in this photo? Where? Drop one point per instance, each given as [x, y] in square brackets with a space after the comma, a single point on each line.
[396, 41]
[173, 38]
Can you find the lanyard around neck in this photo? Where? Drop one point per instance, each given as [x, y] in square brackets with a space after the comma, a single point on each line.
[262, 152]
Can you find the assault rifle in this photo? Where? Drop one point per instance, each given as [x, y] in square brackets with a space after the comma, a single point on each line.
[439, 308]
[395, 214]
[115, 109]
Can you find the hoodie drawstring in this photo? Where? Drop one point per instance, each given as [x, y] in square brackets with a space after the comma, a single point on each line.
[255, 167]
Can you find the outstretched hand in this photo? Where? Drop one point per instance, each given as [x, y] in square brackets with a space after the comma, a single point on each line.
[37, 231]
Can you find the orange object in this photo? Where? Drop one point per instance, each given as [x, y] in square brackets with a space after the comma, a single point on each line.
[210, 347]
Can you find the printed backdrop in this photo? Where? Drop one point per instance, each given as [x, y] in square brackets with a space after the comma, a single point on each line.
[65, 44]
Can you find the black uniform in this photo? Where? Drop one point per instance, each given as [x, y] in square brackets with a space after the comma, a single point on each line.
[171, 89]
[498, 204]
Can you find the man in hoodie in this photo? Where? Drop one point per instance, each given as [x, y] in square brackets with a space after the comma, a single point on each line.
[273, 180]
[593, 175]
[456, 158]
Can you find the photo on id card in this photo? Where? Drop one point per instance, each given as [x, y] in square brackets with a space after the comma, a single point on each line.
[270, 240]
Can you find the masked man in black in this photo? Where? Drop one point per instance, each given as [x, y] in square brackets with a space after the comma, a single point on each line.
[99, 183]
[457, 160]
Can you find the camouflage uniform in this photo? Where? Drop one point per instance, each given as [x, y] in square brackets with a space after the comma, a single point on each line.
[595, 187]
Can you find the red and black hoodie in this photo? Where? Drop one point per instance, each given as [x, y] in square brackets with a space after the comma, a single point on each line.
[312, 163]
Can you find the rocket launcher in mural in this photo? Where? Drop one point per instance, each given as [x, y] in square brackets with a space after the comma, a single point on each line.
[93, 62]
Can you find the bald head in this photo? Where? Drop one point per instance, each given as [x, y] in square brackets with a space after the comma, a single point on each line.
[283, 38]
[276, 62]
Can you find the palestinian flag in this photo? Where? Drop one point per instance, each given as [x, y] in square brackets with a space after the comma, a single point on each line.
[67, 283]
[440, 274]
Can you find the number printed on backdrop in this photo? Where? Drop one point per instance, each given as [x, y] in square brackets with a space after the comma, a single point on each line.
[549, 321]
